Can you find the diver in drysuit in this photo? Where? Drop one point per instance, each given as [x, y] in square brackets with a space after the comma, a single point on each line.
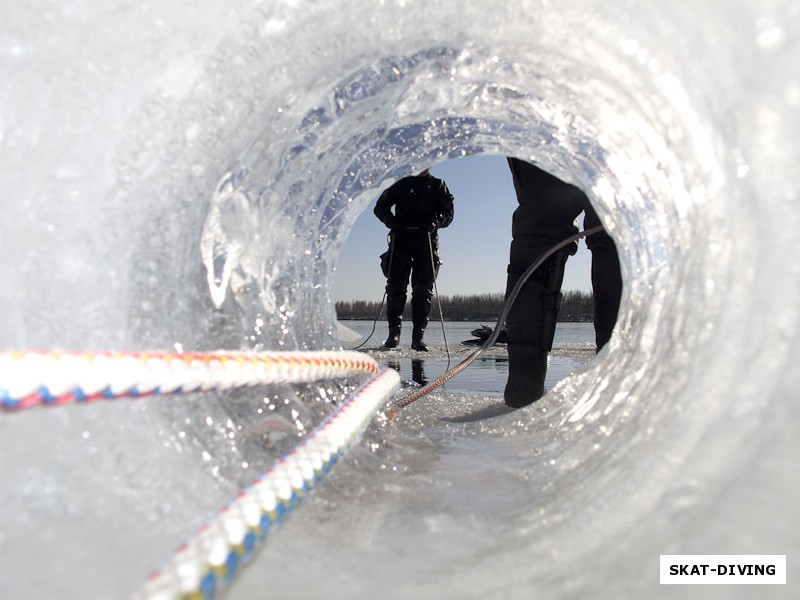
[422, 204]
[546, 215]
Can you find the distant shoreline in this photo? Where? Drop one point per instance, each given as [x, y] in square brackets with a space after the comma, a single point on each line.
[576, 307]
[488, 320]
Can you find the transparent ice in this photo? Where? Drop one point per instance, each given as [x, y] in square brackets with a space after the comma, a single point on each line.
[182, 176]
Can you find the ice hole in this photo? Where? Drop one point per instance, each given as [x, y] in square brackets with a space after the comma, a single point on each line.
[474, 250]
[185, 179]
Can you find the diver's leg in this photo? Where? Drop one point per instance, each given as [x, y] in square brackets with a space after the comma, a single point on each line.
[422, 282]
[396, 286]
[531, 328]
[546, 215]
[606, 279]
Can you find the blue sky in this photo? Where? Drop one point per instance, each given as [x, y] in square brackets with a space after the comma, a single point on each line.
[474, 248]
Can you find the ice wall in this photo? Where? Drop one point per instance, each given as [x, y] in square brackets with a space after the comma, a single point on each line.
[182, 176]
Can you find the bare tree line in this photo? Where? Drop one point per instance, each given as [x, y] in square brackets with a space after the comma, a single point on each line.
[575, 306]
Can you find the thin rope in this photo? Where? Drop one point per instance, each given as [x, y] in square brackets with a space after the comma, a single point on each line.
[385, 291]
[29, 379]
[438, 301]
[212, 558]
[374, 323]
[501, 321]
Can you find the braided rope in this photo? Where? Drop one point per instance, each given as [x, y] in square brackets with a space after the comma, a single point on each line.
[30, 379]
[211, 559]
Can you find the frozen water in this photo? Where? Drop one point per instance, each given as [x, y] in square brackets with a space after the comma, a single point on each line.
[573, 347]
[183, 176]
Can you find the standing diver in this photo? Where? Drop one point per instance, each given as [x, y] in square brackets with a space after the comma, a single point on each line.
[422, 204]
[546, 215]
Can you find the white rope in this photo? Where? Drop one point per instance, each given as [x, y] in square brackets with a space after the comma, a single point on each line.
[30, 379]
[212, 557]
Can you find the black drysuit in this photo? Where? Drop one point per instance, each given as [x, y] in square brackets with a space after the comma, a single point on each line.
[422, 204]
[546, 215]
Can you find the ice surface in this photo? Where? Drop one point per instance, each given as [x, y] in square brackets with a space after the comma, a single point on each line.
[183, 176]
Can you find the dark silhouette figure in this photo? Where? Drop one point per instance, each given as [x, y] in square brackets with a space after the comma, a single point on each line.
[546, 215]
[422, 204]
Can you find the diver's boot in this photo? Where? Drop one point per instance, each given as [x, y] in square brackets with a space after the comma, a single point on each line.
[527, 367]
[394, 337]
[416, 340]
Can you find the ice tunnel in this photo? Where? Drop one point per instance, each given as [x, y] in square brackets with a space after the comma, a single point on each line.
[182, 177]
